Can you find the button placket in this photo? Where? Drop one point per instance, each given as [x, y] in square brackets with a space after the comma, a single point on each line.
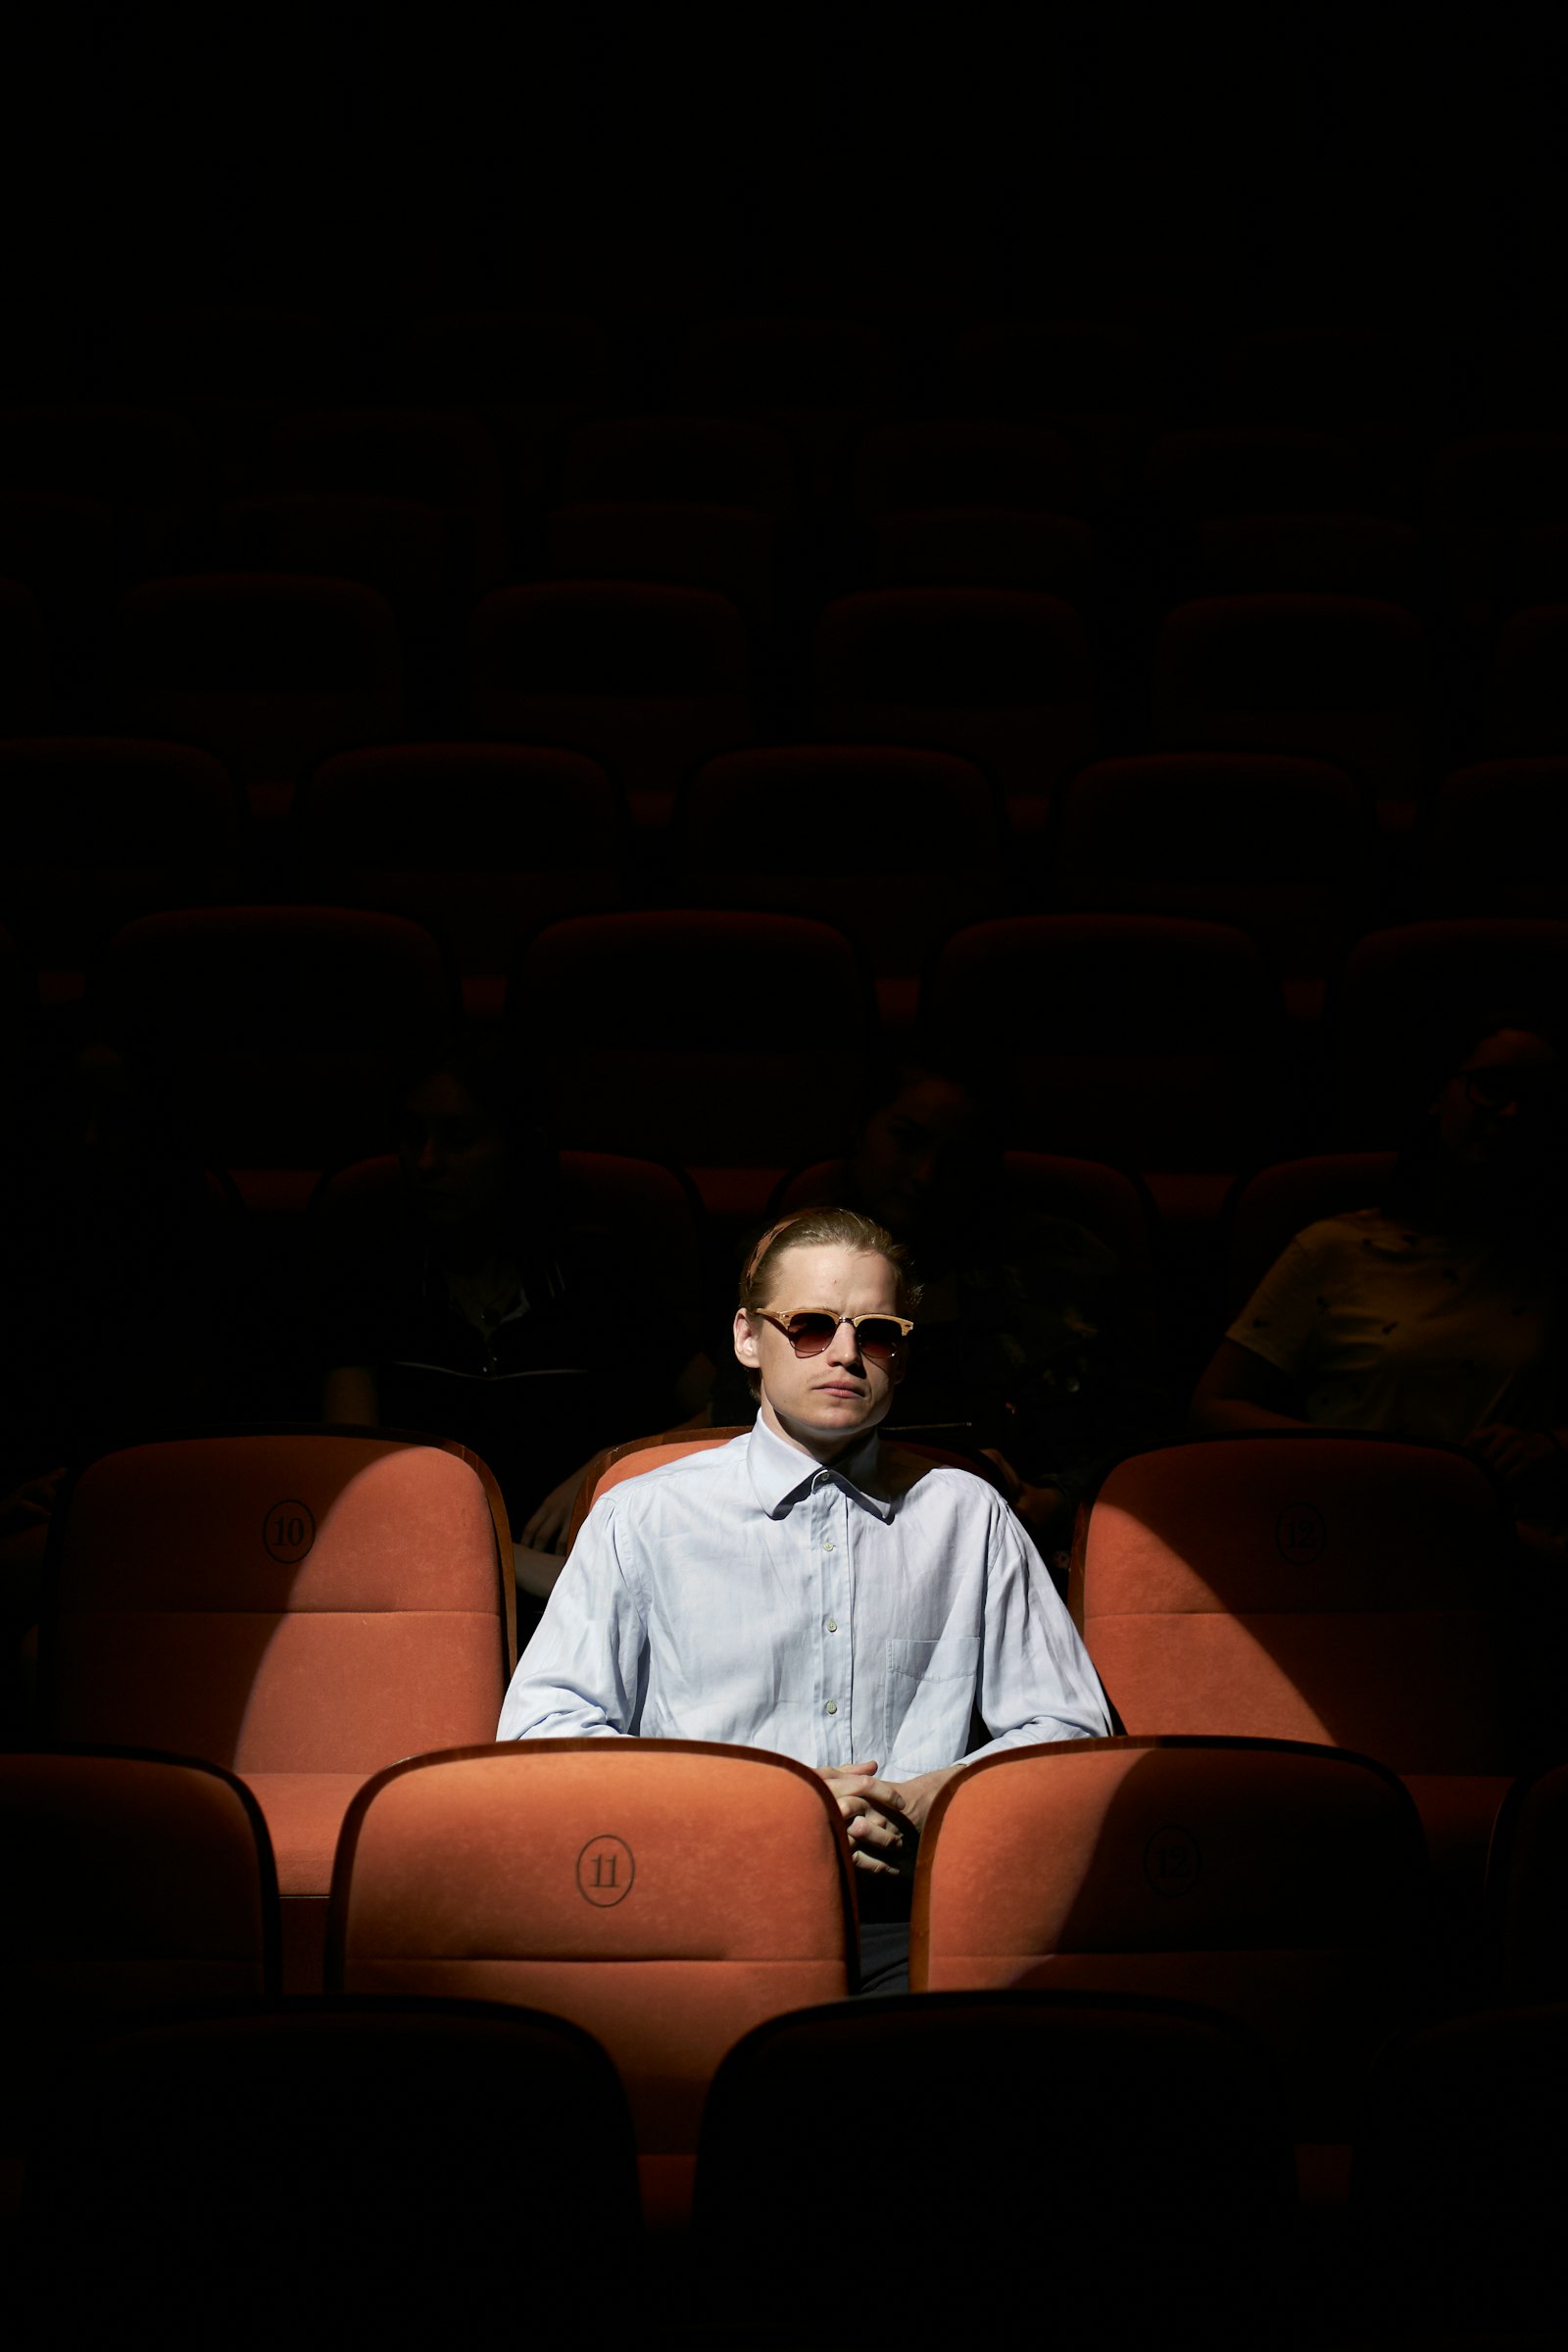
[829, 1504]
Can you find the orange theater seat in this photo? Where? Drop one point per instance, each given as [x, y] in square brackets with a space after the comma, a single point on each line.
[270, 672]
[994, 675]
[301, 1607]
[342, 2171]
[720, 1042]
[1349, 1589]
[601, 1880]
[1281, 1883]
[1027, 2165]
[649, 680]
[131, 1880]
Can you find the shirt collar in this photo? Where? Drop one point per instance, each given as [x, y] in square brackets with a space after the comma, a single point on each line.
[780, 1475]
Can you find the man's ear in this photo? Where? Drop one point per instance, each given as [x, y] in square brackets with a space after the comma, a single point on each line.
[898, 1366]
[746, 1342]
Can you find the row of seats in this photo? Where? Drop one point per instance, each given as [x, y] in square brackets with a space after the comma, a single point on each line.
[735, 1043]
[1168, 1961]
[899, 846]
[273, 672]
[305, 1608]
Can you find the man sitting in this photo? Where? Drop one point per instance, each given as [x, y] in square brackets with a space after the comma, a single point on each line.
[806, 1589]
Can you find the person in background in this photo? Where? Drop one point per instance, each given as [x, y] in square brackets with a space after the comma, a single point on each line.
[1438, 1312]
[462, 1302]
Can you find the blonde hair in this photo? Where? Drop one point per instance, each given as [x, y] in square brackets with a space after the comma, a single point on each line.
[819, 1229]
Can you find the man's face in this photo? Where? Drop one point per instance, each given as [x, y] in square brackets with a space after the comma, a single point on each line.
[1498, 1106]
[451, 1152]
[823, 1402]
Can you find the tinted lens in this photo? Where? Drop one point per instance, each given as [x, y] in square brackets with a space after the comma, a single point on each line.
[879, 1337]
[808, 1335]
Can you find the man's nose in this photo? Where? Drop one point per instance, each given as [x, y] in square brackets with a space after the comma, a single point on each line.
[843, 1348]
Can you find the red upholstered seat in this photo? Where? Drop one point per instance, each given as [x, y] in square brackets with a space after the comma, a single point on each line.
[131, 1880]
[1323, 677]
[99, 829]
[1146, 1041]
[1313, 1585]
[342, 2169]
[280, 1029]
[270, 672]
[996, 676]
[725, 461]
[1527, 1888]
[1144, 2141]
[648, 680]
[917, 838]
[1283, 1885]
[720, 1042]
[301, 1607]
[480, 842]
[442, 458]
[1285, 850]
[1528, 706]
[598, 1879]
[1498, 844]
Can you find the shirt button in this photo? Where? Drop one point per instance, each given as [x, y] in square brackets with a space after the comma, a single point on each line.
[832, 1707]
[832, 1624]
[827, 1542]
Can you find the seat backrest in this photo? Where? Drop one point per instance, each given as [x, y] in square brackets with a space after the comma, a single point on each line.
[1150, 2133]
[1283, 1885]
[295, 1602]
[131, 1880]
[1306, 1584]
[595, 1879]
[1274, 1204]
[351, 2166]
[616, 1463]
[1527, 1888]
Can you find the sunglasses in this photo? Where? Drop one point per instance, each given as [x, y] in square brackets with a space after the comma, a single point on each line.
[810, 1332]
[1499, 1088]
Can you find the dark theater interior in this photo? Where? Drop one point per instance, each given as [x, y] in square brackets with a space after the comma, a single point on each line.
[620, 626]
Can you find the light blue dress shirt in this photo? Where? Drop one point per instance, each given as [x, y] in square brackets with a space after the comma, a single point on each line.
[884, 1608]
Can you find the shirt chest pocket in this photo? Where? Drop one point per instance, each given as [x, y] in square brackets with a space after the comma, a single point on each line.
[928, 1692]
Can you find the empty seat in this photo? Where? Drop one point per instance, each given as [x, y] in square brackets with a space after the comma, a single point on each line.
[725, 551]
[1283, 1885]
[1458, 2176]
[1493, 495]
[727, 462]
[1312, 554]
[1146, 2137]
[132, 1880]
[1327, 678]
[1527, 1889]
[649, 680]
[440, 457]
[145, 464]
[1219, 471]
[99, 829]
[720, 1042]
[1529, 703]
[1498, 841]
[270, 672]
[301, 1607]
[480, 843]
[1000, 678]
[276, 1030]
[1312, 1585]
[813, 379]
[589, 1877]
[981, 547]
[26, 686]
[1139, 1039]
[971, 463]
[1284, 848]
[895, 847]
[530, 375]
[338, 2166]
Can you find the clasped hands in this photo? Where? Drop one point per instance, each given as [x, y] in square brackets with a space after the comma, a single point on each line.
[884, 1818]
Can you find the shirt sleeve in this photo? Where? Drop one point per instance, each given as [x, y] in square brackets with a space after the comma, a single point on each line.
[584, 1675]
[1280, 1319]
[1037, 1679]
